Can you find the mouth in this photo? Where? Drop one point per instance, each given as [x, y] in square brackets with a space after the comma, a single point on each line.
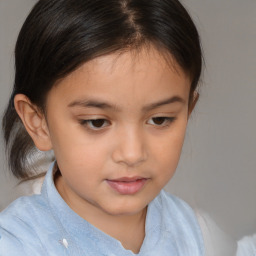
[127, 185]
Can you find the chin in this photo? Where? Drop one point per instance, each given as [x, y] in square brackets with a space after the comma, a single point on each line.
[126, 210]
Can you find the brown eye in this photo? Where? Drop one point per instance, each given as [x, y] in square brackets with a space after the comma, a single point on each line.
[95, 124]
[161, 121]
[98, 123]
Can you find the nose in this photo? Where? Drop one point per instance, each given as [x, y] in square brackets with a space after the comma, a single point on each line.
[130, 148]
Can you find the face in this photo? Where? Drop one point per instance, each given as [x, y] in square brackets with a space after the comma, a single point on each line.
[117, 126]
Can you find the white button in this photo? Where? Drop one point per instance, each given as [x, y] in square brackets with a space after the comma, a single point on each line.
[65, 242]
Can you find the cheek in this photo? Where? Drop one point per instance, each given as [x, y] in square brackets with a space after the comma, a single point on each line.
[167, 150]
[70, 141]
[82, 156]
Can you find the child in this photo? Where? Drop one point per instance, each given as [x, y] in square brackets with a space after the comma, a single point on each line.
[109, 87]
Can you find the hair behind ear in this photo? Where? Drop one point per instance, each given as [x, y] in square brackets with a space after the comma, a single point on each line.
[18, 144]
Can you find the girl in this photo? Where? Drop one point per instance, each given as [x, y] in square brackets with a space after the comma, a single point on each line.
[109, 87]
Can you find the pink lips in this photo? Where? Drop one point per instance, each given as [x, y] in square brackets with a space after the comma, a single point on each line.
[126, 185]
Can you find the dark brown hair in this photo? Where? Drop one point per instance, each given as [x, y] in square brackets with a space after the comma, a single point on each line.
[58, 36]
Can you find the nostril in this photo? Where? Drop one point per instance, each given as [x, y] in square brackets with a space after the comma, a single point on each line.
[130, 158]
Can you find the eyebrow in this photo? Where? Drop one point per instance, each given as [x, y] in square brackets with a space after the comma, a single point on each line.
[174, 99]
[104, 105]
[92, 104]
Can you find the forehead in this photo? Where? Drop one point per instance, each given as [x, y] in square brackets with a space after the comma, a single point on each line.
[131, 76]
[141, 61]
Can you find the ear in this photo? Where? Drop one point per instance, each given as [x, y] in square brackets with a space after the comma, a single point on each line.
[34, 122]
[193, 103]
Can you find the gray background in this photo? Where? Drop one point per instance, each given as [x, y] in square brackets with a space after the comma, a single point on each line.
[217, 172]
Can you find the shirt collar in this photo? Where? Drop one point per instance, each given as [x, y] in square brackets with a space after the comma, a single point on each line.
[84, 235]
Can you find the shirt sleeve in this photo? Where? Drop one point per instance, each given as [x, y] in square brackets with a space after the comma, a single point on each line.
[247, 246]
[216, 241]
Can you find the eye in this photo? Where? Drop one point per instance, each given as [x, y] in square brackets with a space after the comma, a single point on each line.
[161, 121]
[95, 124]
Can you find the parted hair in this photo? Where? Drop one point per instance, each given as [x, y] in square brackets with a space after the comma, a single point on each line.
[58, 36]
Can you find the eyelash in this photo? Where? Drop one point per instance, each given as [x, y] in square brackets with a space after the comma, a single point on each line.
[88, 123]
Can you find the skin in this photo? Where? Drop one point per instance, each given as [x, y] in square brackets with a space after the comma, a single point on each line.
[134, 136]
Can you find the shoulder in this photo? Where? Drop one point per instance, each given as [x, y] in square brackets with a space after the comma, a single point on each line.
[27, 210]
[19, 234]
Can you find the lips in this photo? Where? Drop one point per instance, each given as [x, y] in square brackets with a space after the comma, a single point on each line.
[127, 185]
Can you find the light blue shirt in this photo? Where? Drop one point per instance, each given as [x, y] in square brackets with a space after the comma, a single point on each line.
[45, 225]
